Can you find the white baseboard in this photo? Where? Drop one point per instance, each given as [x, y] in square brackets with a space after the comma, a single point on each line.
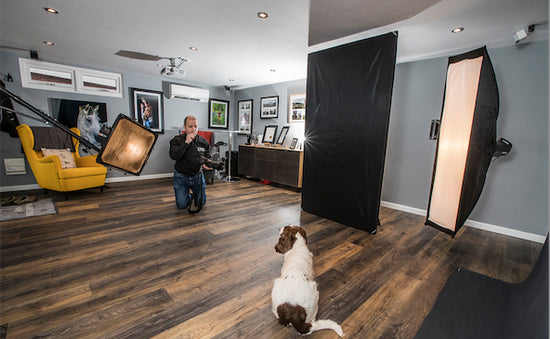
[108, 180]
[19, 188]
[131, 177]
[403, 208]
[506, 231]
[472, 223]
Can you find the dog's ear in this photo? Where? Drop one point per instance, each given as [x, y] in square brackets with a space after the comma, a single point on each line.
[303, 233]
[286, 240]
[297, 229]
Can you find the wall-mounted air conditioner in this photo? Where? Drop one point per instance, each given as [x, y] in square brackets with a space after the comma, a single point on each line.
[188, 93]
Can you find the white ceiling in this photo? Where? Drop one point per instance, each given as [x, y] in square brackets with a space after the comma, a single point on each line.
[233, 43]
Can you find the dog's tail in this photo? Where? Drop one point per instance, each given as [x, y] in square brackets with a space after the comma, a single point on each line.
[318, 325]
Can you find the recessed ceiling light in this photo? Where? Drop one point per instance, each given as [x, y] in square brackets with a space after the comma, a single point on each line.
[457, 30]
[231, 79]
[51, 10]
[49, 43]
[262, 15]
[193, 48]
[273, 70]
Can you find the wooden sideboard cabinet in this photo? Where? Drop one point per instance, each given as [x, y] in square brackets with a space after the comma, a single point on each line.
[279, 165]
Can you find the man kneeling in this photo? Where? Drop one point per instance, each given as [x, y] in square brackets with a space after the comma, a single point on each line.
[188, 150]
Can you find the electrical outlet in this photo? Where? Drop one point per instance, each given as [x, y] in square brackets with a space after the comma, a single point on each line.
[15, 166]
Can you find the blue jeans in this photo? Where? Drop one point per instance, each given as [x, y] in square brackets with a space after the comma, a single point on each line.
[184, 183]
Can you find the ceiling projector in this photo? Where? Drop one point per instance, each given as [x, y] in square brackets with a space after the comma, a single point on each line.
[172, 71]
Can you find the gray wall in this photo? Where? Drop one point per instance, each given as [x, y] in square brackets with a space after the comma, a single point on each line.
[283, 90]
[515, 195]
[175, 111]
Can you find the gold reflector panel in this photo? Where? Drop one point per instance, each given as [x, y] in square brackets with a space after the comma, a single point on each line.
[128, 147]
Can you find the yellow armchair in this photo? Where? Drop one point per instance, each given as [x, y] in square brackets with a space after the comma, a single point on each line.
[48, 171]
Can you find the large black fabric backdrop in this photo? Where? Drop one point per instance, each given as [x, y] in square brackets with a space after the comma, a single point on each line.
[349, 90]
[482, 140]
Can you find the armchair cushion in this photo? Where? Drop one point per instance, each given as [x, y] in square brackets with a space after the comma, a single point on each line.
[65, 155]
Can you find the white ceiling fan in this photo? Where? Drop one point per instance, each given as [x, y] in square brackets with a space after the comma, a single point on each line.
[173, 69]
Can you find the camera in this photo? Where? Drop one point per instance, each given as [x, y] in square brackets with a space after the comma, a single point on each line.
[206, 161]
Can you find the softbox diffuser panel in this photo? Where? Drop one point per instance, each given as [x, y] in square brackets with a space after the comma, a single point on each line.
[128, 146]
[467, 140]
[349, 91]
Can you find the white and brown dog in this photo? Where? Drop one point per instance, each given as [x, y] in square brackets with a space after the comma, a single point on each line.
[295, 296]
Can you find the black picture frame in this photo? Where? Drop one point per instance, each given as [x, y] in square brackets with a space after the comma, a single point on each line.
[282, 135]
[293, 143]
[68, 113]
[269, 107]
[148, 108]
[218, 114]
[270, 132]
[245, 108]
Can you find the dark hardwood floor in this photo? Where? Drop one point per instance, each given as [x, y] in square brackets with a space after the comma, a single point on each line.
[126, 263]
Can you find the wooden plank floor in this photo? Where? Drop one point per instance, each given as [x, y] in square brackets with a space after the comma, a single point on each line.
[127, 264]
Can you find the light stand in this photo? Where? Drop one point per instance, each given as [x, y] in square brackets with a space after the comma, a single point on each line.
[128, 145]
[228, 178]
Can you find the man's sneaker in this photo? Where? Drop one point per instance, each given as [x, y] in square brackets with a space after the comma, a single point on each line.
[193, 208]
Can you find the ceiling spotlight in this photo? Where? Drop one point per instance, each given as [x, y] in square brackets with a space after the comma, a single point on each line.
[51, 10]
[193, 48]
[262, 15]
[457, 30]
[273, 70]
[231, 79]
[49, 43]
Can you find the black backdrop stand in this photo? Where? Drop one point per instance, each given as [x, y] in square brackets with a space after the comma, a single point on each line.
[349, 91]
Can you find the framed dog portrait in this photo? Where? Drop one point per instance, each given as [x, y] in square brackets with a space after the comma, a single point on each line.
[219, 113]
[270, 131]
[245, 116]
[148, 108]
[269, 107]
[297, 108]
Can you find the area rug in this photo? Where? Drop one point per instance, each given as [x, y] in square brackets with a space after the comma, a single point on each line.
[42, 206]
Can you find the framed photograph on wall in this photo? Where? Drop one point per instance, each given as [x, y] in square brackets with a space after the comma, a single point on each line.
[270, 131]
[269, 107]
[297, 108]
[87, 116]
[245, 116]
[148, 108]
[219, 113]
[282, 136]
